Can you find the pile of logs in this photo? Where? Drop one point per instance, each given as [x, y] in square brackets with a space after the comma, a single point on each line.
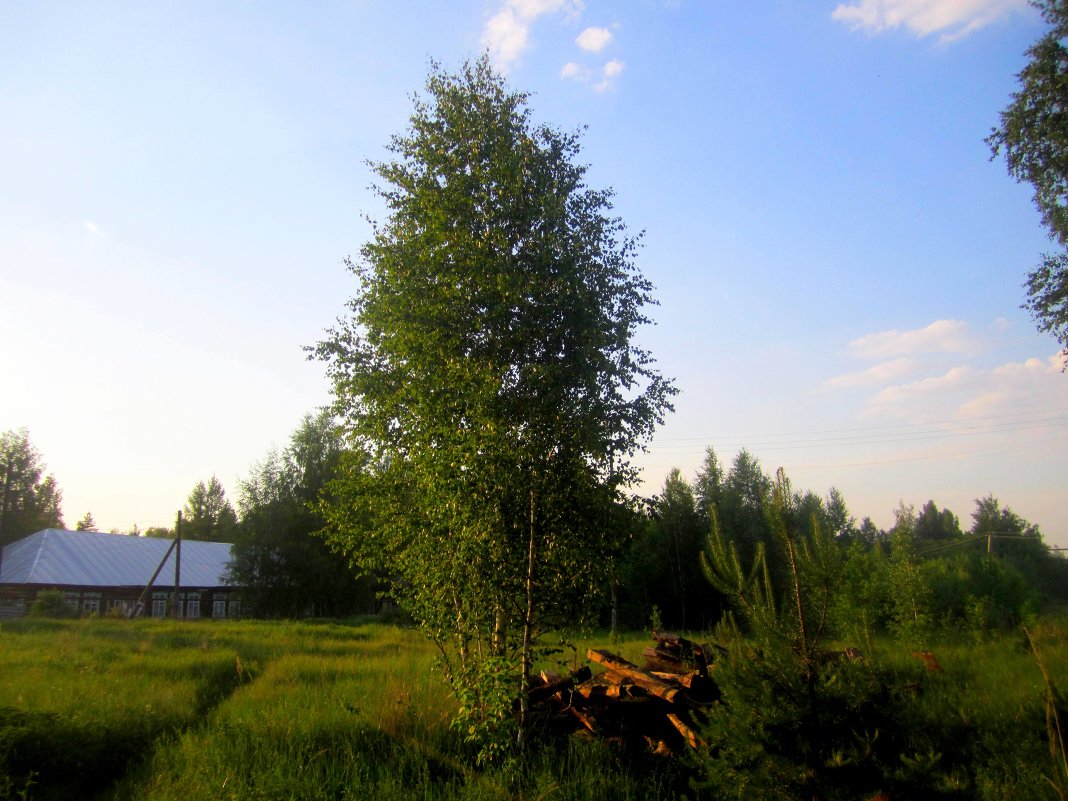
[658, 705]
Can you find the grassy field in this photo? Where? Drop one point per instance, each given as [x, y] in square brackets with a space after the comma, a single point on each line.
[152, 709]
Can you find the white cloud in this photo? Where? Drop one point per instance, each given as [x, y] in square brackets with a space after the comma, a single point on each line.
[876, 374]
[953, 19]
[535, 8]
[608, 72]
[941, 336]
[917, 399]
[91, 227]
[935, 373]
[968, 393]
[573, 70]
[594, 39]
[507, 33]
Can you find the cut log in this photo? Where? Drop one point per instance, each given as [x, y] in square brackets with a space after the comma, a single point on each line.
[687, 651]
[658, 660]
[688, 734]
[636, 675]
[585, 719]
[544, 691]
[668, 677]
[592, 692]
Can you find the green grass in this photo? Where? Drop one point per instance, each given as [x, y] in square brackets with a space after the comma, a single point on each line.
[158, 710]
[152, 709]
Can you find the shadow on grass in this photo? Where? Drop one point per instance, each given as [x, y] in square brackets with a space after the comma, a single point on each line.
[45, 756]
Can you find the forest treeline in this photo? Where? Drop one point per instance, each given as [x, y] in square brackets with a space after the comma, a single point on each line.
[924, 572]
[927, 571]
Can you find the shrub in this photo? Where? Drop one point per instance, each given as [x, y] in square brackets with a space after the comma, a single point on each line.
[50, 603]
[843, 731]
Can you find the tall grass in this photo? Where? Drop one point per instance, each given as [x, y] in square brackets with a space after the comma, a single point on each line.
[164, 710]
[152, 709]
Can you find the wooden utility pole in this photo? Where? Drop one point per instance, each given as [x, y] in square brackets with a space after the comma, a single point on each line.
[177, 566]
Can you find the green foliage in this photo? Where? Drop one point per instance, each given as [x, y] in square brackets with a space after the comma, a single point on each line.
[932, 525]
[86, 523]
[781, 731]
[740, 507]
[208, 515]
[281, 566]
[1047, 297]
[990, 518]
[29, 500]
[789, 608]
[665, 562]
[789, 723]
[50, 603]
[910, 595]
[980, 592]
[1016, 541]
[1034, 136]
[488, 378]
[487, 697]
[793, 722]
[862, 602]
[1033, 132]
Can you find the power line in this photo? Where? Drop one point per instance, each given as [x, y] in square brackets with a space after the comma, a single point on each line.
[1057, 415]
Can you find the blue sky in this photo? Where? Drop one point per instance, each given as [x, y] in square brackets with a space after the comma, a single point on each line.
[838, 262]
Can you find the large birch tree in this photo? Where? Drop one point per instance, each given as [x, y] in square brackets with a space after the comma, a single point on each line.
[489, 381]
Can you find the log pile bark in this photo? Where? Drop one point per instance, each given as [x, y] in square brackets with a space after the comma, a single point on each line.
[657, 706]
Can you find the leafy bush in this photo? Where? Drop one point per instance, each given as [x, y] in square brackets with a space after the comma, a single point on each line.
[980, 592]
[50, 603]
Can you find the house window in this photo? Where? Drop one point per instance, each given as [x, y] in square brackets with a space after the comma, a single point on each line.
[70, 600]
[235, 609]
[159, 605]
[218, 608]
[91, 604]
[192, 608]
[118, 603]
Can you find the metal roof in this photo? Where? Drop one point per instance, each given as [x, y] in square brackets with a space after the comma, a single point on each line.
[89, 559]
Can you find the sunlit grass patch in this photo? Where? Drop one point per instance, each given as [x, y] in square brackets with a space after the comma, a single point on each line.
[81, 701]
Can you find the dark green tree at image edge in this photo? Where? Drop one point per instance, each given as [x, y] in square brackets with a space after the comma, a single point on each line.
[1033, 135]
[30, 500]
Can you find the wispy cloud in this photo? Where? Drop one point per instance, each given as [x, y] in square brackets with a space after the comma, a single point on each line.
[876, 374]
[594, 40]
[952, 19]
[602, 79]
[941, 336]
[966, 392]
[91, 227]
[936, 373]
[575, 71]
[507, 33]
[609, 72]
[917, 400]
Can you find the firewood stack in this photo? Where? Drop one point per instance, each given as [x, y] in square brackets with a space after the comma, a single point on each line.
[658, 706]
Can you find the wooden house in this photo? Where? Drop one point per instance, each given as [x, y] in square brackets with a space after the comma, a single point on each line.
[108, 573]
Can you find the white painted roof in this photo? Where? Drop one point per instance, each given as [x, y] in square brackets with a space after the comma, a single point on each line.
[89, 559]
